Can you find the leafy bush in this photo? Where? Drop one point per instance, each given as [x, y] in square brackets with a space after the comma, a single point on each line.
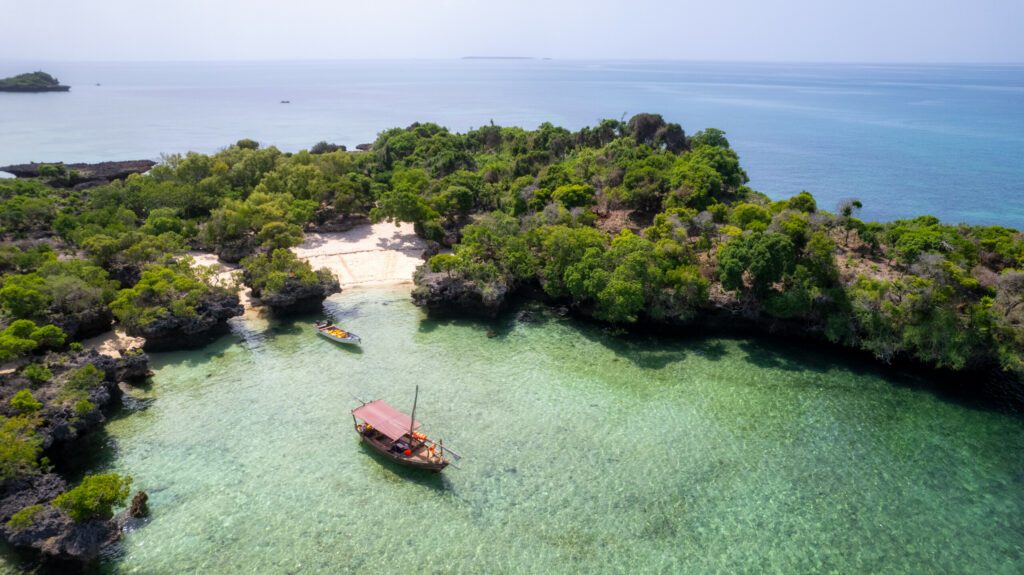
[23, 336]
[25, 518]
[37, 373]
[19, 447]
[83, 407]
[95, 497]
[25, 402]
[77, 385]
[763, 257]
[84, 378]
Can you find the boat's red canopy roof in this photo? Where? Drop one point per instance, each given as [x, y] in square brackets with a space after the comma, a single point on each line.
[385, 419]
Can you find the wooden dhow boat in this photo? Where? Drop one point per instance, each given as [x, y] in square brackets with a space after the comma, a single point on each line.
[335, 333]
[394, 435]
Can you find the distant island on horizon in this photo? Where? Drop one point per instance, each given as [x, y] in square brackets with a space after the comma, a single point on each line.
[38, 81]
[503, 58]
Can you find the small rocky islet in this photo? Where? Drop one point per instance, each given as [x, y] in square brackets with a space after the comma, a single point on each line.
[631, 223]
[32, 82]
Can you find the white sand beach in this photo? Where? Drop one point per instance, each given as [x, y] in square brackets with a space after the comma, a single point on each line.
[112, 343]
[373, 255]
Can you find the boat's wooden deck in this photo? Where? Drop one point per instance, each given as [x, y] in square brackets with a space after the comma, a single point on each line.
[421, 454]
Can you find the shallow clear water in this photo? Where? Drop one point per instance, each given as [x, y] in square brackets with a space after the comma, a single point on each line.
[906, 140]
[585, 452]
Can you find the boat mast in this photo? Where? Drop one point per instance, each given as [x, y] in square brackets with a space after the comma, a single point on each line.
[412, 420]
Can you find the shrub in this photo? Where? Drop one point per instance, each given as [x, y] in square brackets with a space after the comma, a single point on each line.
[24, 518]
[323, 147]
[24, 402]
[37, 373]
[23, 336]
[277, 235]
[51, 171]
[84, 378]
[19, 447]
[83, 407]
[802, 202]
[750, 217]
[574, 195]
[48, 336]
[95, 497]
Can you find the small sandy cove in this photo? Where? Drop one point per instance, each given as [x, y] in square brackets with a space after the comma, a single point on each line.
[370, 255]
[365, 256]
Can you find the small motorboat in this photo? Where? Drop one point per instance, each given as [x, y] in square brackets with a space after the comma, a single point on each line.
[394, 435]
[335, 333]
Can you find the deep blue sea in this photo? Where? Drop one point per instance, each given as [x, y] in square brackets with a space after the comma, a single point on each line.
[906, 140]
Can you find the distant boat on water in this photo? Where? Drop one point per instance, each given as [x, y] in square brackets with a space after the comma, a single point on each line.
[335, 333]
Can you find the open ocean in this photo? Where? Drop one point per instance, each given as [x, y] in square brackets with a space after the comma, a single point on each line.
[906, 140]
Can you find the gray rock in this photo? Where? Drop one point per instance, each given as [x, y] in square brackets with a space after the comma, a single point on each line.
[184, 332]
[439, 293]
[295, 297]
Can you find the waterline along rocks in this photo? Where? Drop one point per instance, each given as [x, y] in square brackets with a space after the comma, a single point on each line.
[79, 176]
[46, 408]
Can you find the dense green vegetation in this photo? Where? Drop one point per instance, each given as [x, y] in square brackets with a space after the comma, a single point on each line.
[31, 82]
[23, 336]
[627, 221]
[173, 291]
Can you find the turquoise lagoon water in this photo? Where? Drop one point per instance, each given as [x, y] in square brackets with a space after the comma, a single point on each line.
[585, 452]
[906, 140]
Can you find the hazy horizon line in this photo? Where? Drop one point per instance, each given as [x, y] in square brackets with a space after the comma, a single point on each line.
[519, 58]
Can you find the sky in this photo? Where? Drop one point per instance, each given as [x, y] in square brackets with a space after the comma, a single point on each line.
[909, 31]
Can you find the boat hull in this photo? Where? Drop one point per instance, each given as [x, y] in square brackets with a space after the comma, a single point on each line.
[352, 339]
[414, 462]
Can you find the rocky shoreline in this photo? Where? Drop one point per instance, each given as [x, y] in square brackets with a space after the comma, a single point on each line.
[442, 296]
[35, 89]
[295, 297]
[187, 332]
[80, 175]
[63, 543]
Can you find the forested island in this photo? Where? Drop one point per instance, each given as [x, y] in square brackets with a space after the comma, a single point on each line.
[630, 223]
[32, 82]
